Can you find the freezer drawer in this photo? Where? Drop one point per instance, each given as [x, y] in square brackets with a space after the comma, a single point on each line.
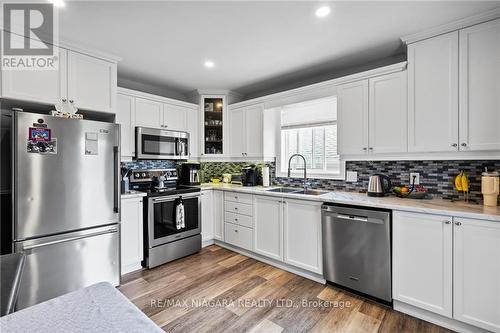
[60, 264]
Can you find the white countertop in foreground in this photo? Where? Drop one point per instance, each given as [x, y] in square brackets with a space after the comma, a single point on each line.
[430, 206]
[133, 194]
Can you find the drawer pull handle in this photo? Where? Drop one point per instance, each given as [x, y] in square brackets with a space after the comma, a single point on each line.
[235, 208]
[235, 230]
[446, 222]
[458, 223]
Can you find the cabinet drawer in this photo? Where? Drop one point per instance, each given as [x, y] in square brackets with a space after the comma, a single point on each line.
[238, 197]
[243, 220]
[237, 207]
[238, 236]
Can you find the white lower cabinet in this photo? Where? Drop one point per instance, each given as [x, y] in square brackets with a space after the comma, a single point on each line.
[218, 204]
[207, 216]
[131, 234]
[449, 266]
[476, 273]
[268, 226]
[238, 235]
[302, 234]
[422, 261]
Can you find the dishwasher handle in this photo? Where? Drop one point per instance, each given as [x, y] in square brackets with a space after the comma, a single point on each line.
[352, 218]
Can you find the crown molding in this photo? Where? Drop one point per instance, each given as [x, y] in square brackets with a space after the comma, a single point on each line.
[161, 99]
[452, 26]
[317, 90]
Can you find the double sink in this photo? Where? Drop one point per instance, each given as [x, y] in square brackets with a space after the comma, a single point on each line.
[292, 190]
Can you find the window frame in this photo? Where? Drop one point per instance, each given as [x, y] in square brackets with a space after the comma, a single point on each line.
[311, 173]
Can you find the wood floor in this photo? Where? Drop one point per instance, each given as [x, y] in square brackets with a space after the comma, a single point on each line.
[218, 290]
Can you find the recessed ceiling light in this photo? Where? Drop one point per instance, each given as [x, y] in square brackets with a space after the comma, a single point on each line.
[323, 11]
[209, 64]
[57, 3]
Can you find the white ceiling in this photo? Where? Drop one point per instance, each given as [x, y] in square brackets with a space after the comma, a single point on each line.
[256, 46]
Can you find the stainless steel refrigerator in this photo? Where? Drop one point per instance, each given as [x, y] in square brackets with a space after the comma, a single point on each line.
[66, 204]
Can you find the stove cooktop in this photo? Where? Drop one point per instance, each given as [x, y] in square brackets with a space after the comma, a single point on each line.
[180, 189]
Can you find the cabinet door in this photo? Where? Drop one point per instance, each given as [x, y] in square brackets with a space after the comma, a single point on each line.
[480, 87]
[253, 131]
[218, 204]
[422, 261]
[91, 82]
[433, 94]
[193, 127]
[237, 132]
[39, 86]
[131, 234]
[388, 126]
[476, 275]
[175, 117]
[302, 225]
[207, 215]
[353, 117]
[125, 117]
[268, 230]
[148, 113]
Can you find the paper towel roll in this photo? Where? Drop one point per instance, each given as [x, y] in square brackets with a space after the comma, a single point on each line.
[265, 176]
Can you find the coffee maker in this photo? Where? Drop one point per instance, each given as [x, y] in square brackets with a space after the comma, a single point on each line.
[190, 174]
[249, 176]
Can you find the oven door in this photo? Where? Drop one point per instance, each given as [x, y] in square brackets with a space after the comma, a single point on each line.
[152, 143]
[162, 218]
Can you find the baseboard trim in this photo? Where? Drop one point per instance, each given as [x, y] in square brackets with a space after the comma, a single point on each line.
[439, 320]
[292, 269]
[207, 242]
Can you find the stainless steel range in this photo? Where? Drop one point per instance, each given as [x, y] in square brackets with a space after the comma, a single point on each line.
[165, 239]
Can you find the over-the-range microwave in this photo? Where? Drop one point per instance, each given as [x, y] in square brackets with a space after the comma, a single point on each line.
[159, 144]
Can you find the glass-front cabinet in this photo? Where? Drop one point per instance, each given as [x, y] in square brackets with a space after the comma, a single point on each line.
[213, 124]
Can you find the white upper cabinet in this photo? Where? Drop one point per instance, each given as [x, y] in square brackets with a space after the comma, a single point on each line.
[148, 113]
[193, 126]
[175, 117]
[91, 82]
[353, 117]
[422, 261]
[387, 122]
[42, 86]
[246, 131]
[237, 132]
[480, 87]
[302, 236]
[433, 94]
[125, 113]
[476, 264]
[372, 115]
[268, 226]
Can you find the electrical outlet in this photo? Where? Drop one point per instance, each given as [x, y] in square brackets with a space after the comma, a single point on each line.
[417, 178]
[352, 176]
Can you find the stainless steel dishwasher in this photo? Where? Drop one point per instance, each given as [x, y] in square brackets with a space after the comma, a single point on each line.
[357, 249]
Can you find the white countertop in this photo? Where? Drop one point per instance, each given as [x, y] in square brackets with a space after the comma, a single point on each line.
[429, 206]
[133, 194]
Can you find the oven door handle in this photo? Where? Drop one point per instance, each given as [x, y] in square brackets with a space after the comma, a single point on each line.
[174, 197]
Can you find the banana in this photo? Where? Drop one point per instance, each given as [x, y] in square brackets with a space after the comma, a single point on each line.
[465, 182]
[458, 182]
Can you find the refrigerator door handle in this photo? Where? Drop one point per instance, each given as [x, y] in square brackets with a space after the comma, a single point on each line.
[64, 240]
[116, 166]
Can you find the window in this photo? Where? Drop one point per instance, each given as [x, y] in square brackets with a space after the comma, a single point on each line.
[310, 129]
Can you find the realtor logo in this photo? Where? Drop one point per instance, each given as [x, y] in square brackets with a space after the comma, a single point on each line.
[29, 35]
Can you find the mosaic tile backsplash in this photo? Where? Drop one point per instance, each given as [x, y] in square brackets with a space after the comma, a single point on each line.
[436, 176]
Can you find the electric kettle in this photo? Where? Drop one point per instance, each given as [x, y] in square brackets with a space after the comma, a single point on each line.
[379, 185]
